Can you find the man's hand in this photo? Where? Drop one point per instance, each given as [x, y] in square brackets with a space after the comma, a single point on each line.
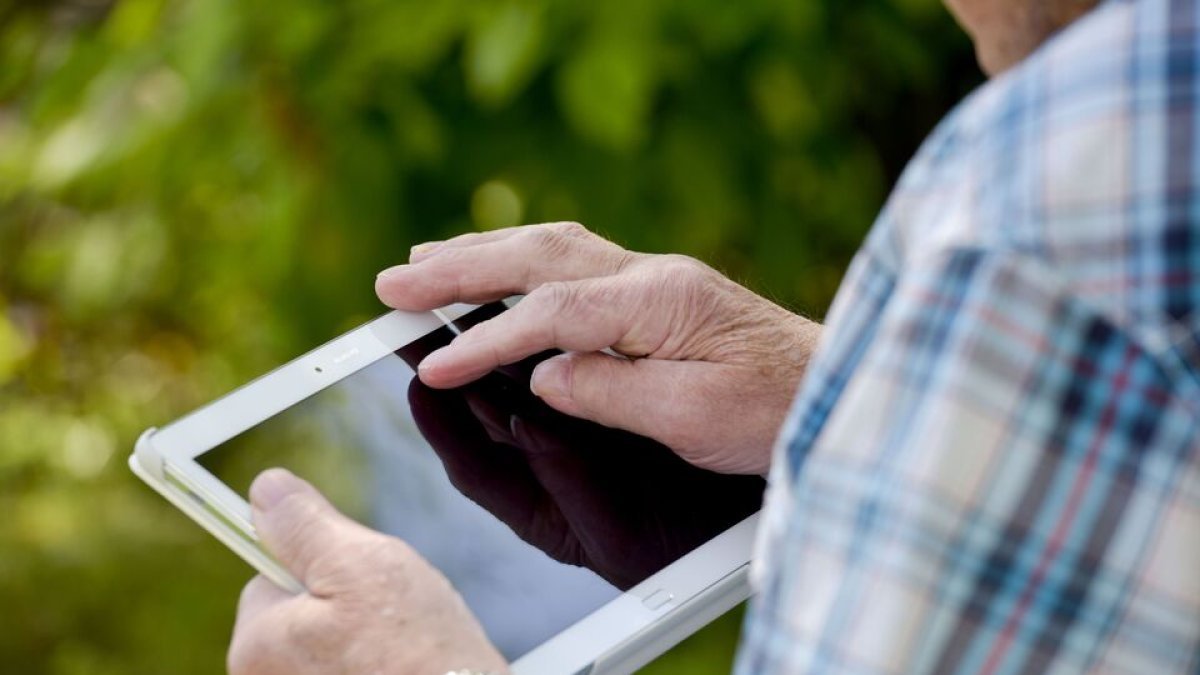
[373, 606]
[714, 366]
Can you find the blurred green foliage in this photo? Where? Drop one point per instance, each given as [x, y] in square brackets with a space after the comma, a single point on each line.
[193, 191]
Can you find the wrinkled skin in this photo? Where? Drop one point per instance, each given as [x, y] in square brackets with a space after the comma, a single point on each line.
[705, 351]
[1006, 31]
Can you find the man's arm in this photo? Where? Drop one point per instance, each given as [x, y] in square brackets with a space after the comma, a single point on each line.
[1007, 482]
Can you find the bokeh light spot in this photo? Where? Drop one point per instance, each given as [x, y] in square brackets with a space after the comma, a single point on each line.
[496, 204]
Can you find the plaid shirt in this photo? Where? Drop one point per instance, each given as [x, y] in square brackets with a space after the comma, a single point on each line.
[992, 465]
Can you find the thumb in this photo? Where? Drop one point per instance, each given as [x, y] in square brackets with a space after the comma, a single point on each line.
[657, 398]
[295, 523]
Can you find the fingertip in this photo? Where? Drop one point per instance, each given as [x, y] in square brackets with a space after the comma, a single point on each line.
[391, 273]
[294, 522]
[447, 371]
[385, 285]
[434, 362]
[434, 371]
[552, 378]
[273, 486]
[401, 288]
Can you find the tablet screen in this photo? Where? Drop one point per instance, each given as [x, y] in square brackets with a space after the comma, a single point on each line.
[537, 518]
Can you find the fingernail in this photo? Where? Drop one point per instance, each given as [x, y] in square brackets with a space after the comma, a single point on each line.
[421, 250]
[273, 486]
[434, 361]
[551, 379]
[391, 271]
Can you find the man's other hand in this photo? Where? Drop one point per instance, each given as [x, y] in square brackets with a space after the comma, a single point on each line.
[713, 366]
[372, 606]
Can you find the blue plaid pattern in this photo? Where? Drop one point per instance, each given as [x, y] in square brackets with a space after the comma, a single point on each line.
[992, 464]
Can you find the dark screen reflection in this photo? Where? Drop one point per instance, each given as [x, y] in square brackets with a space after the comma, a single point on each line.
[619, 504]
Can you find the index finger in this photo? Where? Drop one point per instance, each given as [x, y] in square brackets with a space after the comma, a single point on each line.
[499, 267]
[582, 316]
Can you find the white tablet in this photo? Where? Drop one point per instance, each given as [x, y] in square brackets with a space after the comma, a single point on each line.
[580, 548]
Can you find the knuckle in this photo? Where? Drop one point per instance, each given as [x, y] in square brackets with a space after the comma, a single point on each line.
[608, 296]
[686, 276]
[582, 299]
[558, 296]
[624, 259]
[684, 267]
[572, 229]
[552, 241]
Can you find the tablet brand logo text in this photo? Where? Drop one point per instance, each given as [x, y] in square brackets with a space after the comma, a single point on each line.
[346, 356]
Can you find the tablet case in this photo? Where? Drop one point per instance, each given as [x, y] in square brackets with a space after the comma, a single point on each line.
[147, 464]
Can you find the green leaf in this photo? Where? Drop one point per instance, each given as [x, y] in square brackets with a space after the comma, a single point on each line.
[607, 91]
[503, 49]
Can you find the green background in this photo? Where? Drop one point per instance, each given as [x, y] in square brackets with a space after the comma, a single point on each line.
[194, 191]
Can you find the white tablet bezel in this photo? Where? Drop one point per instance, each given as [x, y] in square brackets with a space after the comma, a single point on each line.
[620, 636]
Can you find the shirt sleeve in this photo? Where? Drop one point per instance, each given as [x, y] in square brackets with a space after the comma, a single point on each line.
[1005, 481]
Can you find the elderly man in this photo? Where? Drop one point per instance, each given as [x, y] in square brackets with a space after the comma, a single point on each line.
[991, 464]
